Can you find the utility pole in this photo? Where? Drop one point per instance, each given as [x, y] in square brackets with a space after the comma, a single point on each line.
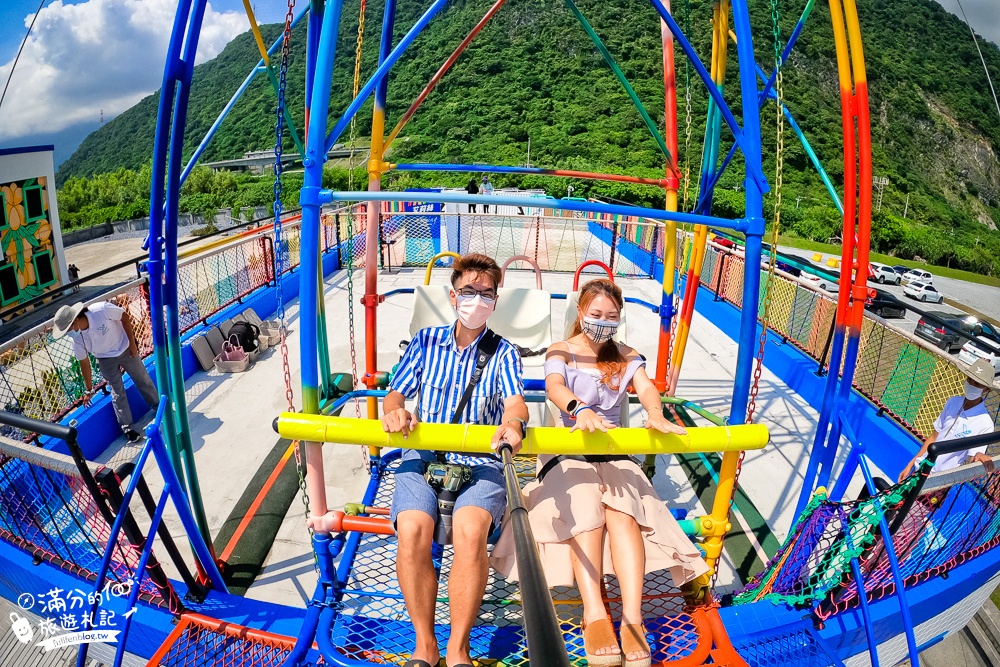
[797, 200]
[102, 118]
[528, 164]
[906, 206]
[880, 182]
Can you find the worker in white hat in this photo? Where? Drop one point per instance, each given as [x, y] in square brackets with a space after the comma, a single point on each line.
[962, 417]
[106, 331]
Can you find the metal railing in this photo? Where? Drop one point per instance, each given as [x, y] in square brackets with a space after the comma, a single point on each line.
[40, 377]
[904, 377]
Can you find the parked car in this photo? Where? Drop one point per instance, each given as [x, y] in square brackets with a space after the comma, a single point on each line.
[884, 305]
[821, 282]
[918, 276]
[986, 345]
[723, 241]
[788, 268]
[960, 329]
[883, 274]
[923, 292]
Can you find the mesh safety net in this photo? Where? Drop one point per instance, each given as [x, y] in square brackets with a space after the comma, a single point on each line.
[52, 515]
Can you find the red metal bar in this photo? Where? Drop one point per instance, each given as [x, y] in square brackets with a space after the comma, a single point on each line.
[440, 73]
[591, 262]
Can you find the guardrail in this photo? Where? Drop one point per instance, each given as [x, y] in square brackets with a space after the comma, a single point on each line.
[904, 377]
[40, 376]
[53, 507]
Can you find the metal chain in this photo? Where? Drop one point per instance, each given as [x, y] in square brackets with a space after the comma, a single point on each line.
[687, 109]
[350, 227]
[279, 252]
[776, 224]
[357, 86]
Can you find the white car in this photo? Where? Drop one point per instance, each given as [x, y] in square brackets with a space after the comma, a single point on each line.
[820, 282]
[883, 274]
[923, 292]
[986, 345]
[918, 276]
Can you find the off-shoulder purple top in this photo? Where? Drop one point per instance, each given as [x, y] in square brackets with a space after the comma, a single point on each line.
[586, 385]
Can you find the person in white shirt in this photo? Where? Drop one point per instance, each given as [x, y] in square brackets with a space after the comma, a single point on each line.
[962, 417]
[105, 331]
[487, 189]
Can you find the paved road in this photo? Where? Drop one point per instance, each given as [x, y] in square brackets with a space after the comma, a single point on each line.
[982, 298]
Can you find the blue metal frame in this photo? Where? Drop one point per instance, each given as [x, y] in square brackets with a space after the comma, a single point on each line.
[330, 196]
[173, 491]
[754, 214]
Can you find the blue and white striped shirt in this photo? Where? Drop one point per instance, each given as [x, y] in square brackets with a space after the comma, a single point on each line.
[439, 372]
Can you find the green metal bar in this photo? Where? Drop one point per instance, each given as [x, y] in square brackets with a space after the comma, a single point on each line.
[322, 341]
[288, 117]
[694, 407]
[621, 79]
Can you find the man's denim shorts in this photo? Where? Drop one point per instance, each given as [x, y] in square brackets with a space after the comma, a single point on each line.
[412, 491]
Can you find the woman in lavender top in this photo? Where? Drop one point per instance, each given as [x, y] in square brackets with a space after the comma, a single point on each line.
[599, 515]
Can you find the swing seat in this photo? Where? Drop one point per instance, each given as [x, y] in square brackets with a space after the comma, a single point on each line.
[431, 308]
[524, 317]
[572, 301]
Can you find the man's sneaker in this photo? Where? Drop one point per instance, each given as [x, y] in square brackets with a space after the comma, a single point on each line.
[133, 435]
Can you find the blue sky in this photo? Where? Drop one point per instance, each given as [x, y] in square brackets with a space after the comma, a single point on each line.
[89, 56]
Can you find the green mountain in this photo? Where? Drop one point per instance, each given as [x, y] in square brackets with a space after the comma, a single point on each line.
[533, 73]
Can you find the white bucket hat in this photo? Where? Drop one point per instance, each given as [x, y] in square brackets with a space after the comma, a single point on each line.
[981, 371]
[64, 319]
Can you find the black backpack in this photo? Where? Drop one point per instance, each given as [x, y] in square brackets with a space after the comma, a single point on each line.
[247, 334]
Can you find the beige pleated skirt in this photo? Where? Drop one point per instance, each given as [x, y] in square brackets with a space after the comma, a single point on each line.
[573, 499]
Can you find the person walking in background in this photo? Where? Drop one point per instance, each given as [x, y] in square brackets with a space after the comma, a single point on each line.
[472, 189]
[487, 189]
[962, 417]
[105, 331]
[74, 275]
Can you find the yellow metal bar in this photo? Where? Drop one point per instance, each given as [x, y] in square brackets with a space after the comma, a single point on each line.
[475, 439]
[716, 525]
[256, 33]
[434, 259]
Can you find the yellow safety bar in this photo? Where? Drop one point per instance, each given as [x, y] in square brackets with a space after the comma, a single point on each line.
[475, 439]
[434, 259]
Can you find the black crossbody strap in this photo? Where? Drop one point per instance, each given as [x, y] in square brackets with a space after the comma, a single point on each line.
[488, 346]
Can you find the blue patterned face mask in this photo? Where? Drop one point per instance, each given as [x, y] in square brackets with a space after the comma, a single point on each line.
[599, 331]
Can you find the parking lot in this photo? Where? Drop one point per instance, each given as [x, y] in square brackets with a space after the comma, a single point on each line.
[981, 298]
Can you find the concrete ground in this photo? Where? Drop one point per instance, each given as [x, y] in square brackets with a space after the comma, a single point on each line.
[90, 258]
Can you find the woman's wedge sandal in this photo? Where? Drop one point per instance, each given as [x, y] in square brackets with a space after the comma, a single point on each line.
[634, 641]
[598, 635]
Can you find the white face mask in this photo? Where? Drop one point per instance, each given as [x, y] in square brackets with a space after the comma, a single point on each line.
[473, 311]
[599, 331]
[972, 392]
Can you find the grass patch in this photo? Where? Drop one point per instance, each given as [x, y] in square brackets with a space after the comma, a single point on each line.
[830, 249]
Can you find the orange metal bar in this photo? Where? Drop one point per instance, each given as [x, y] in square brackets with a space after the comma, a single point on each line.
[440, 73]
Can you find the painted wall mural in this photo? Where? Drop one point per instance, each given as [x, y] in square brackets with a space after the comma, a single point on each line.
[28, 264]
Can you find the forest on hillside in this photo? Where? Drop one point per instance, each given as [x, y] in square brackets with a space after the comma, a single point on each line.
[533, 73]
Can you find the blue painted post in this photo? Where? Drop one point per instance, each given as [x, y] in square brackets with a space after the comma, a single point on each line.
[897, 577]
[754, 214]
[172, 313]
[157, 194]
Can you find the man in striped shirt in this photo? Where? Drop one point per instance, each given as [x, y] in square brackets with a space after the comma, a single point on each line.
[436, 369]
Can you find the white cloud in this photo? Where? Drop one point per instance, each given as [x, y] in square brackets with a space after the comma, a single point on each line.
[100, 54]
